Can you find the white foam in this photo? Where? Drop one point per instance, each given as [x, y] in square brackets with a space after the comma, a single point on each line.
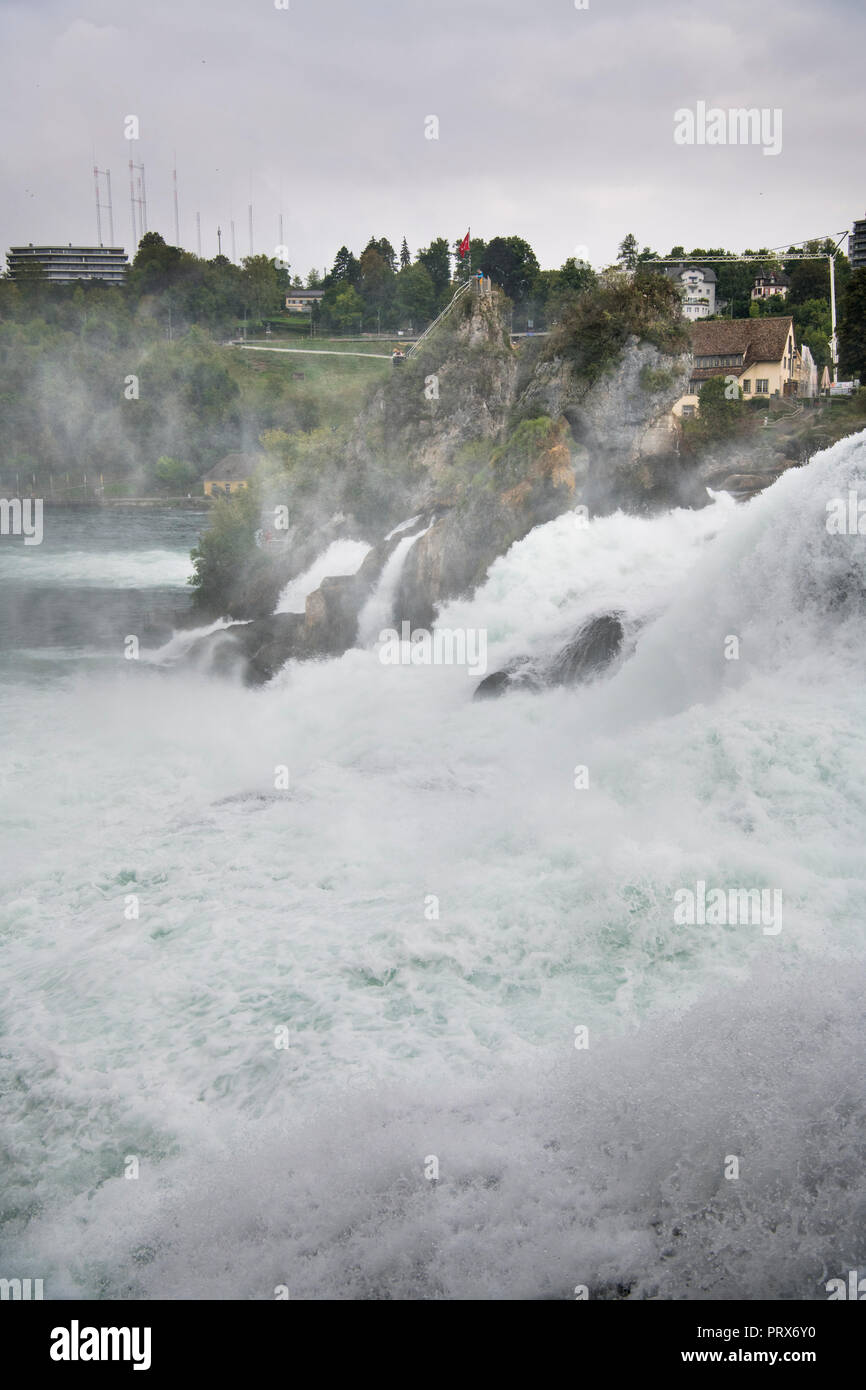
[378, 611]
[414, 1033]
[84, 569]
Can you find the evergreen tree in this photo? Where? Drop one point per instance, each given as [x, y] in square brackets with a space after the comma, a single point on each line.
[405, 255]
[627, 255]
[387, 252]
[345, 268]
[852, 328]
[377, 279]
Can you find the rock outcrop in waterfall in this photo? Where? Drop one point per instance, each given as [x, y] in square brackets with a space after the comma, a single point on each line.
[478, 441]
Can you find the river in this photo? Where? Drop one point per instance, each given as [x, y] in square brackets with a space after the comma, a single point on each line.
[353, 987]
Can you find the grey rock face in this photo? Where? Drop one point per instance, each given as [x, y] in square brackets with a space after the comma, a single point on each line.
[589, 653]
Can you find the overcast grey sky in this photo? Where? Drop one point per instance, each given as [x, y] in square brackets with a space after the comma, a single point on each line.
[555, 123]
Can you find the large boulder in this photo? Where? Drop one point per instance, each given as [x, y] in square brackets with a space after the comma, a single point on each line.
[331, 614]
[253, 650]
[587, 654]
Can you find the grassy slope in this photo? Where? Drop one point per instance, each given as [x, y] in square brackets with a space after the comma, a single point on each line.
[338, 386]
[373, 346]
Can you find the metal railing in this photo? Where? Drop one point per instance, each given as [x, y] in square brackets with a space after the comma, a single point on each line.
[467, 285]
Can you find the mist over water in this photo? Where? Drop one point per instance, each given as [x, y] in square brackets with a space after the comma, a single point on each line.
[414, 1035]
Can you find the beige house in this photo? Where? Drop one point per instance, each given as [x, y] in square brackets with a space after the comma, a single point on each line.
[760, 353]
[302, 301]
[232, 473]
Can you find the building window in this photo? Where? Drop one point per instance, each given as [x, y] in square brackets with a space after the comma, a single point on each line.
[747, 388]
[762, 386]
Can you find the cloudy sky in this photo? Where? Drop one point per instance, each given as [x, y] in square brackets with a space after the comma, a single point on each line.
[554, 123]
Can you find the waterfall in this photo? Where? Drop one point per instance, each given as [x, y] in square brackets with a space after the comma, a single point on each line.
[181, 641]
[378, 611]
[404, 526]
[340, 557]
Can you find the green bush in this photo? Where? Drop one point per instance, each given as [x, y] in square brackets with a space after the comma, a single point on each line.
[594, 329]
[512, 460]
[227, 552]
[175, 474]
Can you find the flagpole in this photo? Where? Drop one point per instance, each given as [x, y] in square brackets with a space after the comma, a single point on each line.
[469, 252]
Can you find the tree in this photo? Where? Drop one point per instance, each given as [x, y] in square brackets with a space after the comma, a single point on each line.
[385, 250]
[405, 255]
[577, 275]
[464, 266]
[510, 262]
[809, 280]
[347, 310]
[261, 285]
[377, 279]
[597, 324]
[436, 260]
[227, 552]
[10, 299]
[345, 268]
[720, 407]
[812, 325]
[564, 286]
[32, 283]
[628, 252]
[175, 473]
[156, 266]
[852, 328]
[414, 296]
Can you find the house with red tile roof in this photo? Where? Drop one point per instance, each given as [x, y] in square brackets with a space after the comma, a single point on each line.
[760, 353]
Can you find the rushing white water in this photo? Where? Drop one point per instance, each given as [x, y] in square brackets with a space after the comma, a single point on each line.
[90, 569]
[421, 1028]
[378, 611]
[179, 643]
[341, 557]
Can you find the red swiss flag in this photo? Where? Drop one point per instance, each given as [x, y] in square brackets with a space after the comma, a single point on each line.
[464, 246]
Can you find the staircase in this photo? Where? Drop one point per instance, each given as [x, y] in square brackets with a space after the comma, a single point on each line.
[785, 409]
[464, 288]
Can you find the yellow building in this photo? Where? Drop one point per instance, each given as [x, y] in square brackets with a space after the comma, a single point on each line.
[302, 301]
[761, 353]
[230, 475]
